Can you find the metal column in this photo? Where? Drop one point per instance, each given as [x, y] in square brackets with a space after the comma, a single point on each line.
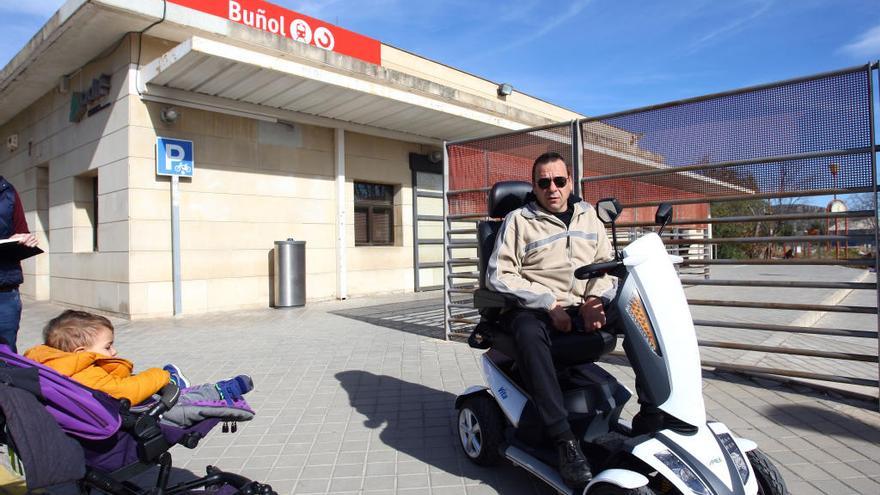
[175, 244]
[871, 68]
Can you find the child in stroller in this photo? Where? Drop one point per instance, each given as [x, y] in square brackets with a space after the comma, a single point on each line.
[80, 345]
[62, 431]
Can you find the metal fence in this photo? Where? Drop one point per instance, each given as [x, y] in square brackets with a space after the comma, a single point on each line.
[750, 173]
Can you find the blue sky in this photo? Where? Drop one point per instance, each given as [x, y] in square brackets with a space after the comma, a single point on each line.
[592, 56]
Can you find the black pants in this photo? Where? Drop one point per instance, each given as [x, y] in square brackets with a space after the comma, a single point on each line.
[541, 349]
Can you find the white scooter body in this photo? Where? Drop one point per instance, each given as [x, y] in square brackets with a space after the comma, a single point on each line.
[710, 460]
[653, 275]
[653, 278]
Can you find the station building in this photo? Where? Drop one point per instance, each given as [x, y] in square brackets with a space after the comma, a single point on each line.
[300, 129]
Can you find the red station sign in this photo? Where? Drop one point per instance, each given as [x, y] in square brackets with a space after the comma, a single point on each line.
[283, 22]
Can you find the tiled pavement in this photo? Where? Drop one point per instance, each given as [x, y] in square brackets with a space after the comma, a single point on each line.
[346, 406]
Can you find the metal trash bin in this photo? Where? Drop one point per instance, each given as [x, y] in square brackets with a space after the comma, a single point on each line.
[290, 273]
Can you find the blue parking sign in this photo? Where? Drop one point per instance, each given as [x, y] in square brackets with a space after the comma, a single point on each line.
[174, 157]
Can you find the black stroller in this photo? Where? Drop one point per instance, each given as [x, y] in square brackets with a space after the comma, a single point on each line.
[61, 431]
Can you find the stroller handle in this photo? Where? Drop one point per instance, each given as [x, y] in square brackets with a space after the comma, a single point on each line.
[168, 396]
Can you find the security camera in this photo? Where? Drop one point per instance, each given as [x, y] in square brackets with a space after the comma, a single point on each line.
[169, 115]
[435, 156]
[505, 89]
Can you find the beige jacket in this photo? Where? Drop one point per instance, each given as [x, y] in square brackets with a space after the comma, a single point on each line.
[535, 257]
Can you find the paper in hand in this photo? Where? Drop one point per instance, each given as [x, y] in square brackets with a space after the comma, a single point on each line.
[12, 250]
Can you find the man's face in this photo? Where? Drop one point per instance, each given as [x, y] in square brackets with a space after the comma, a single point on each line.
[553, 198]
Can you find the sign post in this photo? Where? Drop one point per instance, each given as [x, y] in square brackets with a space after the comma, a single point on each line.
[174, 158]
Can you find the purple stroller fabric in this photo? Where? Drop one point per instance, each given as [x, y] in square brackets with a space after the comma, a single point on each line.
[79, 410]
[121, 450]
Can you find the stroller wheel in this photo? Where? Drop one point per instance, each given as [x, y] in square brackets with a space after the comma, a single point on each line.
[480, 426]
[254, 488]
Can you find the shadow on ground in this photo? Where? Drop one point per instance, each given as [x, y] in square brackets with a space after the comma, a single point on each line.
[420, 422]
[418, 317]
[822, 421]
[768, 382]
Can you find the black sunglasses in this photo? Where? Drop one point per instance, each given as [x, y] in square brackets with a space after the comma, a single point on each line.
[544, 182]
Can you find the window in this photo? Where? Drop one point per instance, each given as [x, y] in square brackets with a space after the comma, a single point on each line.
[373, 214]
[85, 222]
[95, 213]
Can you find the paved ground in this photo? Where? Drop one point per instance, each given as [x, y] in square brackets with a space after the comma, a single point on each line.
[347, 406]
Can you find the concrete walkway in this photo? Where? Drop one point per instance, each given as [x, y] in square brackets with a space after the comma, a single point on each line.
[347, 406]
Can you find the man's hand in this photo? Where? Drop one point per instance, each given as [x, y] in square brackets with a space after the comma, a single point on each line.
[561, 320]
[593, 314]
[29, 240]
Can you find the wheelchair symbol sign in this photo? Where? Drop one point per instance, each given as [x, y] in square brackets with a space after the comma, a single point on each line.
[174, 157]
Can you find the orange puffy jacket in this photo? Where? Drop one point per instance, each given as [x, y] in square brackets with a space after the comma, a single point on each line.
[108, 374]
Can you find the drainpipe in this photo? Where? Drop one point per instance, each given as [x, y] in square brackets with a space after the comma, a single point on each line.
[341, 267]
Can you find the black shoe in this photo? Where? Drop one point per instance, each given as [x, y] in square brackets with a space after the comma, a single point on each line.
[647, 421]
[572, 464]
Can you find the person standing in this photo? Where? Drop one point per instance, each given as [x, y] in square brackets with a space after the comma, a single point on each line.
[12, 226]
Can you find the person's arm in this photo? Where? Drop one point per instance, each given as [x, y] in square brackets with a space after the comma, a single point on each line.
[19, 225]
[19, 222]
[503, 270]
[119, 383]
[600, 290]
[604, 287]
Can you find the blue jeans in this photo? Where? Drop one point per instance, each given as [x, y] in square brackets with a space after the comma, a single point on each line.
[10, 316]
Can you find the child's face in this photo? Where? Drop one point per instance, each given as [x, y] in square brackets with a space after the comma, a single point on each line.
[103, 343]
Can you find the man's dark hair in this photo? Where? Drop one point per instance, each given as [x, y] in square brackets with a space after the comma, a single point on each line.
[548, 157]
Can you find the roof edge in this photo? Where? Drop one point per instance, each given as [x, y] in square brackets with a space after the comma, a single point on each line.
[39, 43]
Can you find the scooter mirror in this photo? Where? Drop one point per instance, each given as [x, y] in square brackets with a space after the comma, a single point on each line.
[608, 209]
[664, 214]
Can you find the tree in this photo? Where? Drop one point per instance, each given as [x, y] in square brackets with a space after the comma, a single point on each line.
[865, 202]
[749, 207]
[743, 208]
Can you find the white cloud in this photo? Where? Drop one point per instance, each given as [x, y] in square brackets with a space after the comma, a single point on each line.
[729, 28]
[547, 26]
[44, 8]
[867, 45]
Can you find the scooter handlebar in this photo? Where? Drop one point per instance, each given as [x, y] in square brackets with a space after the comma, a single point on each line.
[594, 270]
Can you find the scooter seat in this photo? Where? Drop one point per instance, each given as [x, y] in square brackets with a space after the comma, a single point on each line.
[504, 342]
[568, 349]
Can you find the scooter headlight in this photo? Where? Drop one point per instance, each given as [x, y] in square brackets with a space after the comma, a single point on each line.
[733, 451]
[636, 310]
[685, 473]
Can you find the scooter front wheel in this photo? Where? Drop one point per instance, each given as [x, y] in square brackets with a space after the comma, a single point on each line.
[609, 489]
[769, 479]
[480, 429]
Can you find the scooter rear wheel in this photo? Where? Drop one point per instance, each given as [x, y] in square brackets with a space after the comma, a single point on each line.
[480, 429]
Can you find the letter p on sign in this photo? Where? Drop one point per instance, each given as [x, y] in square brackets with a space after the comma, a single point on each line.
[174, 157]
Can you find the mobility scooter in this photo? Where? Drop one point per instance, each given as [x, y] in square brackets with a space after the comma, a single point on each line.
[676, 450]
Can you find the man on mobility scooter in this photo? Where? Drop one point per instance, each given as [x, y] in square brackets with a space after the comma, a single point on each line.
[540, 359]
[559, 319]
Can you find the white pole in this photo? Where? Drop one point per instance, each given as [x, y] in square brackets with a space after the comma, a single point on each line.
[341, 267]
[175, 244]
